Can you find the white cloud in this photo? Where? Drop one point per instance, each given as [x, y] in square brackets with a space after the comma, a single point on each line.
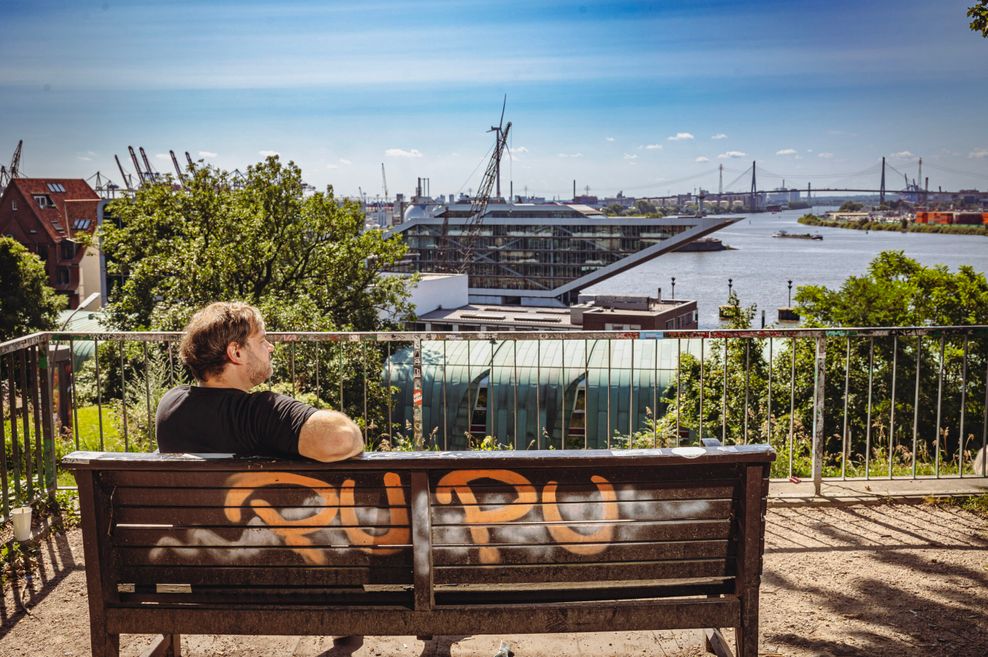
[269, 153]
[630, 156]
[978, 154]
[719, 135]
[904, 155]
[786, 151]
[162, 156]
[345, 162]
[401, 152]
[571, 155]
[518, 149]
[208, 154]
[703, 158]
[653, 147]
[609, 138]
[681, 136]
[825, 155]
[332, 166]
[84, 158]
[730, 155]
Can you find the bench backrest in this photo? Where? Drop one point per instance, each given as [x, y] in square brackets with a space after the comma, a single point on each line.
[422, 529]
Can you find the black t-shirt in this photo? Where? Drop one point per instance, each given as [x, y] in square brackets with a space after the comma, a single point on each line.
[195, 419]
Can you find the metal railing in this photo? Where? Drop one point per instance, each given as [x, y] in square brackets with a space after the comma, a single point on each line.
[835, 403]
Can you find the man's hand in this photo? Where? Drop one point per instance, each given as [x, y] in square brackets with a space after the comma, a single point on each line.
[329, 436]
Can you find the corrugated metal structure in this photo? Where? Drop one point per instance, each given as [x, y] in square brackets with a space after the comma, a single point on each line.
[540, 393]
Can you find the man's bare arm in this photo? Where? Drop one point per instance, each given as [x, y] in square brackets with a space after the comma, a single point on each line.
[329, 436]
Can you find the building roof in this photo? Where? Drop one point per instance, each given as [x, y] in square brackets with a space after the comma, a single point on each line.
[72, 199]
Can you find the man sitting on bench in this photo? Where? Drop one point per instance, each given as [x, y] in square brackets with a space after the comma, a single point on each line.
[227, 350]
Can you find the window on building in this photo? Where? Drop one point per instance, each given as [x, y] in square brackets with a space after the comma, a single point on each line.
[62, 275]
[13, 205]
[81, 224]
[43, 200]
[577, 418]
[67, 250]
[42, 250]
[56, 188]
[478, 416]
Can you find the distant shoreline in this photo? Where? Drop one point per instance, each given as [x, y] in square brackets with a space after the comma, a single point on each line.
[908, 227]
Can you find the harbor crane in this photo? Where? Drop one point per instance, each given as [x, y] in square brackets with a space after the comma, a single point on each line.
[14, 170]
[478, 207]
[384, 181]
[178, 169]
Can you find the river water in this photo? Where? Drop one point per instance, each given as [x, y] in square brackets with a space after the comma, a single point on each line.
[760, 265]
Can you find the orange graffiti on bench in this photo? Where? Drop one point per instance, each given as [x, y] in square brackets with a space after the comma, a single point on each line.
[455, 484]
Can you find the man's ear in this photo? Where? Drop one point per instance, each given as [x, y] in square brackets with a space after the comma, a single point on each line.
[235, 353]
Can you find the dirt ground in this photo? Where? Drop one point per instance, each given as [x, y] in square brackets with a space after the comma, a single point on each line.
[854, 580]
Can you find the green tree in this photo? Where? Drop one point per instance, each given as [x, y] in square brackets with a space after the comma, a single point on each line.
[978, 12]
[850, 206]
[27, 303]
[304, 260]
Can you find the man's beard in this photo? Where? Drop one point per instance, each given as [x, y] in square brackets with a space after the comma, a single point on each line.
[258, 371]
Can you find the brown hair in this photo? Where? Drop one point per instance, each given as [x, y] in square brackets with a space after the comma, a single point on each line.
[203, 347]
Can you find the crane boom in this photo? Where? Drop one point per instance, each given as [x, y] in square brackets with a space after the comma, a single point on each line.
[384, 181]
[137, 165]
[188, 158]
[15, 162]
[147, 163]
[178, 169]
[478, 207]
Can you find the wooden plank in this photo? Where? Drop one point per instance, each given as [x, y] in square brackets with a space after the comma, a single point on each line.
[638, 511]
[156, 536]
[625, 532]
[354, 597]
[272, 556]
[626, 492]
[619, 615]
[679, 476]
[508, 574]
[319, 576]
[547, 593]
[176, 476]
[556, 554]
[297, 516]
[277, 496]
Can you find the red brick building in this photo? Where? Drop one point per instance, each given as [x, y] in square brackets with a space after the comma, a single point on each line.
[46, 215]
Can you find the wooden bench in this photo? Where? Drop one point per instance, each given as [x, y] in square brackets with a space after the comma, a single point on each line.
[429, 543]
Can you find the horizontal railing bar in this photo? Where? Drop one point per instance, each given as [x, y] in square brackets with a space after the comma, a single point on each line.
[402, 336]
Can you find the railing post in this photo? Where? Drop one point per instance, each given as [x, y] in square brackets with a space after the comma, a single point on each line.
[819, 397]
[47, 421]
[417, 391]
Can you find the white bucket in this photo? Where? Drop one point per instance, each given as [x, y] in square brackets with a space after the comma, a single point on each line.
[21, 517]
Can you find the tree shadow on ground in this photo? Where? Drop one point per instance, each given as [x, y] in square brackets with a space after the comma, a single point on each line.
[32, 570]
[910, 616]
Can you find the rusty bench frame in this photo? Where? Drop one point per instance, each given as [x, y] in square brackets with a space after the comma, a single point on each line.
[580, 610]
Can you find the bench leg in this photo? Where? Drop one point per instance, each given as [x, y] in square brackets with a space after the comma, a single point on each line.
[105, 645]
[747, 639]
[715, 643]
[165, 645]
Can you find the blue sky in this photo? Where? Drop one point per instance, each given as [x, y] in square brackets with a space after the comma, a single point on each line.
[641, 97]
